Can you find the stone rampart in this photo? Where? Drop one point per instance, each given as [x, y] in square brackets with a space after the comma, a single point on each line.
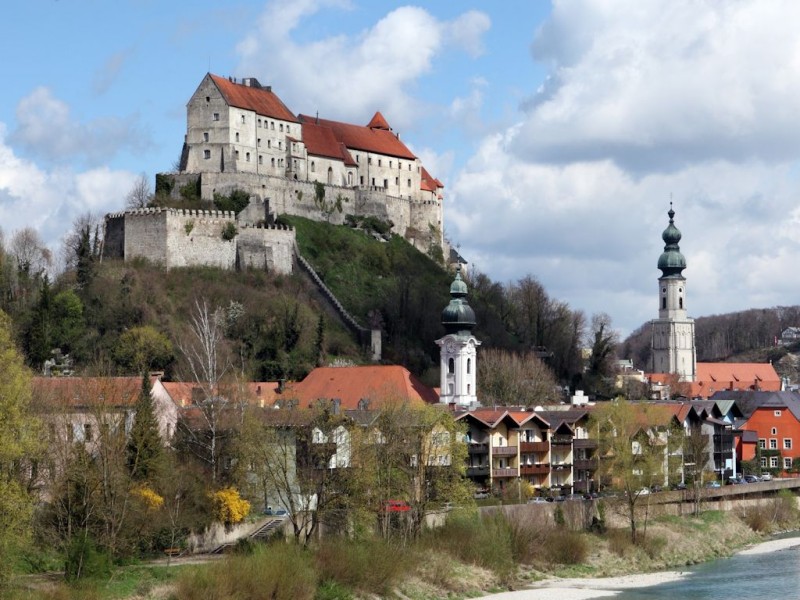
[186, 238]
[294, 197]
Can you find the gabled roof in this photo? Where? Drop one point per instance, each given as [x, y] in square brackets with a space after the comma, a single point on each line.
[262, 393]
[261, 100]
[377, 383]
[750, 401]
[428, 183]
[321, 141]
[378, 122]
[357, 137]
[85, 393]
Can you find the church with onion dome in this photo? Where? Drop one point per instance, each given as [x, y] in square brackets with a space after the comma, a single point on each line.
[672, 342]
[458, 350]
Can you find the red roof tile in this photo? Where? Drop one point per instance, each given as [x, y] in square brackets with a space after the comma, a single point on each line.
[357, 137]
[429, 183]
[378, 122]
[261, 100]
[85, 392]
[716, 377]
[321, 141]
[350, 384]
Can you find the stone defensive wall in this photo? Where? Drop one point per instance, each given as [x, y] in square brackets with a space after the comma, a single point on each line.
[293, 197]
[185, 238]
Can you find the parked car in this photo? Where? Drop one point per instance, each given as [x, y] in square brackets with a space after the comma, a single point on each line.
[481, 495]
[713, 484]
[591, 495]
[678, 486]
[751, 479]
[275, 512]
[537, 500]
[396, 506]
[643, 492]
[656, 488]
[735, 481]
[766, 477]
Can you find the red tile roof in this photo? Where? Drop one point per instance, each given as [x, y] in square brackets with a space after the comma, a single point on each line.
[85, 392]
[379, 122]
[429, 183]
[321, 141]
[357, 137]
[261, 100]
[376, 383]
[716, 377]
[261, 393]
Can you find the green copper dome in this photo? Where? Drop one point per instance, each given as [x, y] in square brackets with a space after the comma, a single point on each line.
[671, 262]
[458, 316]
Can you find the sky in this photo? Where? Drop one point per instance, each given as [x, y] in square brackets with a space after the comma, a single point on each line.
[562, 130]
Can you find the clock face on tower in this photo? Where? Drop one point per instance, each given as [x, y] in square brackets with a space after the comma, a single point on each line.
[451, 347]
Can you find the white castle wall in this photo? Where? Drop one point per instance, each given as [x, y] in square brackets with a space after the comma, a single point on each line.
[186, 238]
[294, 197]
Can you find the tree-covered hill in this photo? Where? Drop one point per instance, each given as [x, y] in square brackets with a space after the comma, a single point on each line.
[114, 317]
[744, 336]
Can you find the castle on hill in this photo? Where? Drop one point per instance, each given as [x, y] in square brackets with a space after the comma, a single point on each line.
[241, 136]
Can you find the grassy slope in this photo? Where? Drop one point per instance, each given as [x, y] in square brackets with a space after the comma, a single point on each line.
[391, 279]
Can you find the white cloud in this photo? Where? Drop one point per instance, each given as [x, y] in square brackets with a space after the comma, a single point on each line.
[350, 77]
[656, 85]
[47, 130]
[49, 201]
[647, 101]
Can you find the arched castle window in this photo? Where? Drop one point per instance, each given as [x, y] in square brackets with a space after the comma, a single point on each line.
[269, 143]
[330, 175]
[663, 303]
[313, 167]
[680, 302]
[469, 365]
[281, 127]
[451, 366]
[237, 136]
[273, 162]
[247, 157]
[349, 178]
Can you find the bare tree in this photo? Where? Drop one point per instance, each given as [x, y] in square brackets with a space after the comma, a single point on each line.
[208, 364]
[32, 256]
[508, 378]
[140, 194]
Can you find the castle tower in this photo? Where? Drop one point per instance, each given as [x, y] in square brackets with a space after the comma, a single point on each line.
[672, 342]
[458, 349]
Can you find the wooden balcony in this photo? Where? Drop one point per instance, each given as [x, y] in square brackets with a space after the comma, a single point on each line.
[534, 469]
[586, 464]
[504, 450]
[564, 466]
[481, 471]
[478, 448]
[498, 473]
[531, 447]
[584, 443]
[561, 439]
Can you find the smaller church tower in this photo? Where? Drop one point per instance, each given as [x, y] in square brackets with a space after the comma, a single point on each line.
[672, 342]
[458, 349]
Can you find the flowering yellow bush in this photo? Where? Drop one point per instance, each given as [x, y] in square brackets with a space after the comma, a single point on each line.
[229, 507]
[149, 497]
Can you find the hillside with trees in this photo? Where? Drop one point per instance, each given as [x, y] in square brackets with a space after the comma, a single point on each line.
[744, 336]
[119, 318]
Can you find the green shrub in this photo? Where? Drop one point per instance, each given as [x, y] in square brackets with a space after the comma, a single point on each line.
[85, 560]
[330, 590]
[485, 542]
[370, 566]
[236, 201]
[229, 231]
[566, 547]
[278, 571]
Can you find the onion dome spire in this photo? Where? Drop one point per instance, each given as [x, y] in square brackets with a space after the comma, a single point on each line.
[458, 316]
[671, 262]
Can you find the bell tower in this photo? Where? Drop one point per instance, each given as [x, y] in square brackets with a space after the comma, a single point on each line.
[458, 364]
[672, 342]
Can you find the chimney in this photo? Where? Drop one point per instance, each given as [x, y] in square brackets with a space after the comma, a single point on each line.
[336, 405]
[281, 385]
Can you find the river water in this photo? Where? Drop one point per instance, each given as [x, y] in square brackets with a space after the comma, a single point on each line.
[772, 575]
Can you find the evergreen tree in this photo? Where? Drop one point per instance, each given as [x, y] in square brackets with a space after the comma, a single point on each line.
[144, 448]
